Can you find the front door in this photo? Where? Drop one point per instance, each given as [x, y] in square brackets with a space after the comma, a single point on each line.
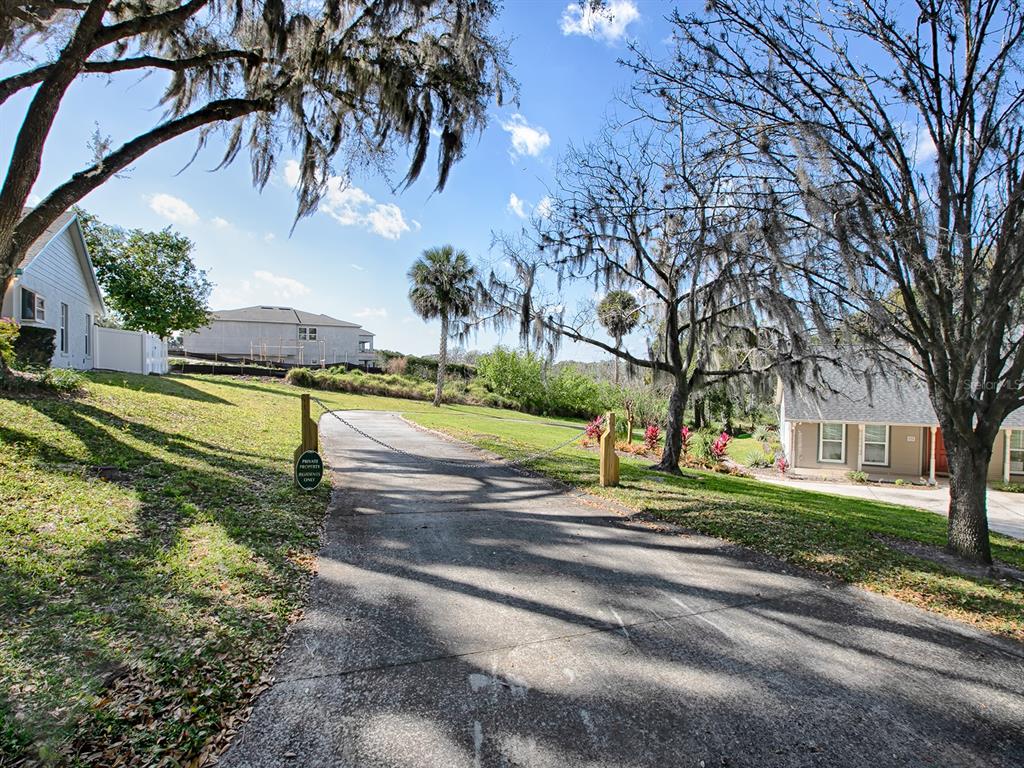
[941, 462]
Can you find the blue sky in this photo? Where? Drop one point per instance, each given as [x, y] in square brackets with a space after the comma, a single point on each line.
[350, 258]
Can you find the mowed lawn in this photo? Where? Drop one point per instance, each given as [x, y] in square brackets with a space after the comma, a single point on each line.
[152, 551]
[829, 534]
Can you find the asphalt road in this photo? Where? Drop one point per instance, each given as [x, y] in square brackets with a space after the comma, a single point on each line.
[474, 616]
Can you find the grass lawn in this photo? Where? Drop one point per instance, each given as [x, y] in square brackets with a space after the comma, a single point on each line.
[138, 611]
[140, 608]
[821, 532]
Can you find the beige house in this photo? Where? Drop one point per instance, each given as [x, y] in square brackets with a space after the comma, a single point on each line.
[885, 427]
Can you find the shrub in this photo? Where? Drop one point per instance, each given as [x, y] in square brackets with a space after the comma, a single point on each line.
[572, 393]
[8, 335]
[685, 434]
[856, 476]
[35, 346]
[764, 434]
[899, 481]
[782, 464]
[700, 447]
[513, 375]
[300, 377]
[764, 458]
[1011, 487]
[652, 436]
[720, 446]
[397, 365]
[62, 380]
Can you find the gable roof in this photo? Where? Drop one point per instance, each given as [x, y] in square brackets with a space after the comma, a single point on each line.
[67, 221]
[288, 315]
[58, 226]
[863, 397]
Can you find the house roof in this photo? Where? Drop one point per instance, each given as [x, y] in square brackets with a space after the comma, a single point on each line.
[67, 220]
[865, 397]
[49, 233]
[287, 315]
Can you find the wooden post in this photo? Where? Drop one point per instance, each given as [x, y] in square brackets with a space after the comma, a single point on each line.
[609, 459]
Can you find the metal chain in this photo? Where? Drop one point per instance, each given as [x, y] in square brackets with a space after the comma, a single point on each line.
[446, 462]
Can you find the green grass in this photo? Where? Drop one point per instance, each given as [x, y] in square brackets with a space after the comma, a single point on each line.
[829, 534]
[139, 611]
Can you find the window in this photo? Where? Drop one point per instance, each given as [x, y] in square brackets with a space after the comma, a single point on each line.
[32, 306]
[88, 334]
[365, 345]
[1017, 451]
[307, 334]
[832, 443]
[876, 444]
[64, 328]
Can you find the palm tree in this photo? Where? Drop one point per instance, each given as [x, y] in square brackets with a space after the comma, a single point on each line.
[619, 313]
[442, 286]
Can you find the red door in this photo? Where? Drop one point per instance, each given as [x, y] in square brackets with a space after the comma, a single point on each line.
[941, 462]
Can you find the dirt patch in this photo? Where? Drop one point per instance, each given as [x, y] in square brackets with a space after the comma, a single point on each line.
[998, 571]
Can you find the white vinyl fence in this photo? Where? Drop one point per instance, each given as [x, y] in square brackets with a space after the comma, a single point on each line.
[130, 351]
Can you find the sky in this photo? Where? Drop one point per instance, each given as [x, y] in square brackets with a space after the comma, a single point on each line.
[350, 258]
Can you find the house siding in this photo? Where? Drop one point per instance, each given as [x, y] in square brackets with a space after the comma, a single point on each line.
[56, 274]
[234, 338]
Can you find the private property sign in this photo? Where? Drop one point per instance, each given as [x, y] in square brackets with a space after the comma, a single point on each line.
[309, 470]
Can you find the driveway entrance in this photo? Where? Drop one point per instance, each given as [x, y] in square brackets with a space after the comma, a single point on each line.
[468, 615]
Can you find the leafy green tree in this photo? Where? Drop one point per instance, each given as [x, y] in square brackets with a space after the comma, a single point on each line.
[149, 278]
[619, 313]
[443, 286]
[514, 375]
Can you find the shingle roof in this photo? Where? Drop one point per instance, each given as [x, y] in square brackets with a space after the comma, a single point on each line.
[866, 398]
[48, 234]
[289, 315]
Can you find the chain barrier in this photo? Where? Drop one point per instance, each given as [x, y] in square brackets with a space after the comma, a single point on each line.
[446, 462]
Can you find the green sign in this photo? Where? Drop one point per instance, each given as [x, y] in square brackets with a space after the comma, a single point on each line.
[309, 470]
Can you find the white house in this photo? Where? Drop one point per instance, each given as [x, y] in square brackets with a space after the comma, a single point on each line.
[282, 334]
[55, 287]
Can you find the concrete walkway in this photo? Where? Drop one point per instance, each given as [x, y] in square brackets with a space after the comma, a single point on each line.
[1005, 510]
[477, 617]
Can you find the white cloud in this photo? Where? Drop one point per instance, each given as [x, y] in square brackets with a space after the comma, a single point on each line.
[543, 207]
[220, 223]
[350, 206]
[371, 312]
[33, 200]
[281, 286]
[269, 237]
[516, 205]
[173, 208]
[526, 139]
[291, 173]
[357, 267]
[608, 22]
[416, 225]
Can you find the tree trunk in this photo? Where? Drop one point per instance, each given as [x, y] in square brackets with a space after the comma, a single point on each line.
[673, 429]
[698, 413]
[967, 532]
[442, 360]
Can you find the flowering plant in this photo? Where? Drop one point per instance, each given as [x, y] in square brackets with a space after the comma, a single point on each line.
[685, 433]
[651, 436]
[782, 464]
[720, 446]
[595, 428]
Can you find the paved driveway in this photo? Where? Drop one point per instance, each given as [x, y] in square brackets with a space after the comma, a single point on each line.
[472, 616]
[1005, 510]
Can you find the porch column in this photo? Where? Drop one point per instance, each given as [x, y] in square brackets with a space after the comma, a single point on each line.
[1006, 454]
[860, 447]
[793, 447]
[931, 457]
